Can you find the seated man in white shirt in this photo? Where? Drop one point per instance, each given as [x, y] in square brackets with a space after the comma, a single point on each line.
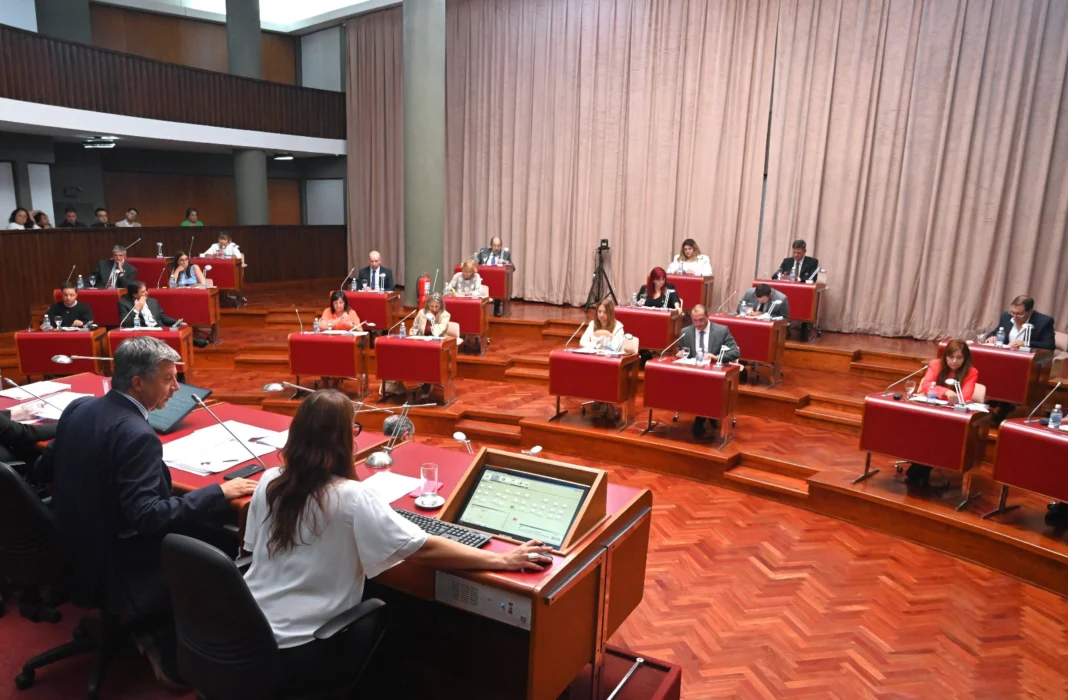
[224, 248]
[706, 338]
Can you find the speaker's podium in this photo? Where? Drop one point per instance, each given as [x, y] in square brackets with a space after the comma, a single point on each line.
[522, 634]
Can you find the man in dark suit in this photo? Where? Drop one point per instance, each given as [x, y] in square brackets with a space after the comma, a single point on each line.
[708, 338]
[1020, 313]
[137, 303]
[762, 299]
[70, 219]
[374, 276]
[101, 219]
[802, 267]
[111, 494]
[496, 254]
[116, 272]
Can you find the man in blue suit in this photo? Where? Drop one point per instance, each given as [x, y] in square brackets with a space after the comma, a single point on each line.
[111, 494]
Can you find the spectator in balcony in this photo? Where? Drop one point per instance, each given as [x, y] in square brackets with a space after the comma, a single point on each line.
[191, 218]
[70, 219]
[21, 219]
[101, 219]
[130, 220]
[42, 220]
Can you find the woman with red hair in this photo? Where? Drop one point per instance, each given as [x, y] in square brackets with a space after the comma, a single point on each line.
[656, 293]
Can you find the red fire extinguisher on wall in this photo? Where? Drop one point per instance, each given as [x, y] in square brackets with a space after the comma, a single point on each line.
[424, 289]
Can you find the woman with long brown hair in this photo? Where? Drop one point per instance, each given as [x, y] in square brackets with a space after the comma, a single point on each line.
[316, 533]
[604, 329]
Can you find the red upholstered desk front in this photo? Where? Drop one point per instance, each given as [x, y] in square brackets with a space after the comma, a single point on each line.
[35, 350]
[103, 302]
[469, 313]
[593, 377]
[698, 391]
[497, 278]
[1032, 457]
[692, 290]
[758, 341]
[197, 307]
[1008, 375]
[322, 355]
[180, 340]
[376, 307]
[416, 360]
[655, 329]
[804, 298]
[225, 273]
[935, 436]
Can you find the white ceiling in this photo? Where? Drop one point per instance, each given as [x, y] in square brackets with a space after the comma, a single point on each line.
[290, 16]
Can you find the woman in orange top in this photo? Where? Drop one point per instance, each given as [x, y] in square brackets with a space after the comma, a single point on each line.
[339, 317]
[956, 362]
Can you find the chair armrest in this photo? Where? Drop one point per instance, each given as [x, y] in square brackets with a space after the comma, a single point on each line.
[349, 617]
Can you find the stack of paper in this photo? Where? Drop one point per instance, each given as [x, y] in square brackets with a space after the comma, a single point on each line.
[389, 486]
[35, 389]
[53, 409]
[212, 450]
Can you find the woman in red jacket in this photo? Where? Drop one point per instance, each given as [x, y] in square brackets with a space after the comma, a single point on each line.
[955, 363]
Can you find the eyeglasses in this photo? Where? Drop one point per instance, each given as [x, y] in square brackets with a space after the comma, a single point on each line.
[357, 428]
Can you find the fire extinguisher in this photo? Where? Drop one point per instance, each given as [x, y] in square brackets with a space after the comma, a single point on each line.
[424, 289]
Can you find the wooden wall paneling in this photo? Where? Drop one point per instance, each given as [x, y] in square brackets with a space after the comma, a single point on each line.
[40, 69]
[280, 58]
[36, 262]
[283, 198]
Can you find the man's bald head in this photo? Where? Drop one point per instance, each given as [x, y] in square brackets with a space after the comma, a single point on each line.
[375, 259]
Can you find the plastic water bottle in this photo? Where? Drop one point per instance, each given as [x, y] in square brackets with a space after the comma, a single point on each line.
[315, 326]
[633, 298]
[1055, 418]
[47, 325]
[402, 331]
[793, 276]
[81, 282]
[932, 395]
[137, 320]
[352, 285]
[1002, 338]
[741, 308]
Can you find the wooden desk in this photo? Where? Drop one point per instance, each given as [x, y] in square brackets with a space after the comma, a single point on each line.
[693, 290]
[418, 361]
[103, 302]
[329, 355]
[575, 605]
[804, 298]
[655, 329]
[180, 340]
[1032, 457]
[708, 391]
[35, 350]
[197, 307]
[380, 308]
[934, 436]
[470, 313]
[1010, 375]
[607, 378]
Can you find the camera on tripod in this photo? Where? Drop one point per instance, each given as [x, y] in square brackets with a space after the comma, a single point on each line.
[601, 283]
[604, 245]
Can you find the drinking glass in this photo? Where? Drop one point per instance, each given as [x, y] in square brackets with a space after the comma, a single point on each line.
[92, 280]
[429, 497]
[910, 389]
[685, 353]
[57, 322]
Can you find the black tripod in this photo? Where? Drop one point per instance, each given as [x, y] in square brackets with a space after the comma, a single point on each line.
[600, 281]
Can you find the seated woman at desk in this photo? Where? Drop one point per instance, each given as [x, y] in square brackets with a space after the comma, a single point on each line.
[185, 273]
[690, 261]
[656, 293]
[339, 316]
[316, 534]
[604, 330]
[955, 364]
[466, 282]
[432, 319]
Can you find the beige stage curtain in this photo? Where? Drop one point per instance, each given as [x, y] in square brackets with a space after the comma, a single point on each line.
[640, 121]
[922, 150]
[375, 161]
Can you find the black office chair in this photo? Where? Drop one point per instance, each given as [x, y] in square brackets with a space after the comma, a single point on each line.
[32, 554]
[226, 648]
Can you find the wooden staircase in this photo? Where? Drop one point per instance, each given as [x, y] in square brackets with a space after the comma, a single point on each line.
[529, 369]
[835, 413]
[491, 427]
[888, 365]
[771, 476]
[268, 356]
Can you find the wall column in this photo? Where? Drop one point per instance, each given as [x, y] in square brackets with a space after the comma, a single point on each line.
[244, 45]
[424, 142]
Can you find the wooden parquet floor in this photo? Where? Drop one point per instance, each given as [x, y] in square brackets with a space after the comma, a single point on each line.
[756, 599]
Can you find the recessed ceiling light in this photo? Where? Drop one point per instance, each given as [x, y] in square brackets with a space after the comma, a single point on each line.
[283, 156]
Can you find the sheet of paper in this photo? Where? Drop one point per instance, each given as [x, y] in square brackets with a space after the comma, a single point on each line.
[56, 403]
[389, 486]
[923, 399]
[37, 388]
[212, 450]
[277, 440]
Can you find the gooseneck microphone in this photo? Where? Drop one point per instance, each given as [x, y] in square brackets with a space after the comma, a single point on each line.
[133, 244]
[241, 442]
[11, 382]
[347, 278]
[1042, 402]
[128, 314]
[720, 307]
[887, 389]
[299, 321]
[673, 344]
[400, 321]
[71, 273]
[160, 278]
[575, 333]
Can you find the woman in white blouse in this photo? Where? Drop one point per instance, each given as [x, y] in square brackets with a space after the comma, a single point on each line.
[604, 330]
[690, 261]
[21, 219]
[316, 534]
[466, 282]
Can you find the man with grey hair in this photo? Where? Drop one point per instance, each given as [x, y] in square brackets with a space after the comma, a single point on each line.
[115, 273]
[112, 498]
[401, 426]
